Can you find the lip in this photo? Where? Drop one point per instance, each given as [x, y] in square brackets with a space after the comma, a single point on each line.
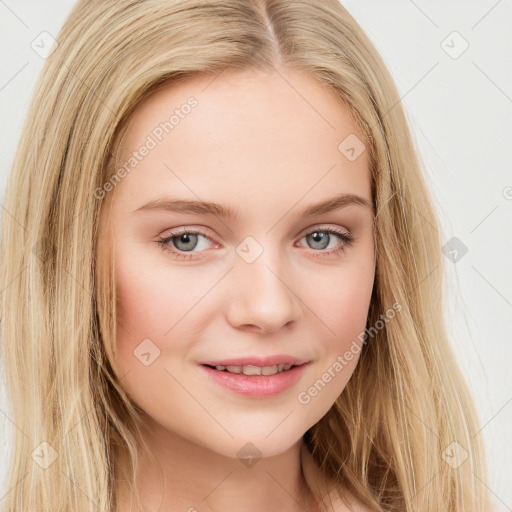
[256, 386]
[257, 361]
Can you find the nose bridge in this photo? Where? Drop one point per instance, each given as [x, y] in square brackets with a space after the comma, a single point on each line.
[264, 296]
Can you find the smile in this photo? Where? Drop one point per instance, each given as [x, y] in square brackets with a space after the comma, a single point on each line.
[255, 381]
[250, 369]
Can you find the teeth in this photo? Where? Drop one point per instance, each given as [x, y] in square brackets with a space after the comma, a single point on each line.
[269, 370]
[250, 369]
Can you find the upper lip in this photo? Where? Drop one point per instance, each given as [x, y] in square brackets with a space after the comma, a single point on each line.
[257, 361]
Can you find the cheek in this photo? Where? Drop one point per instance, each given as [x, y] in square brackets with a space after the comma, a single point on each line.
[342, 305]
[152, 303]
[349, 313]
[346, 308]
[341, 301]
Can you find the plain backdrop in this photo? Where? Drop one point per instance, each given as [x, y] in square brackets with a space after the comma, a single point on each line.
[452, 62]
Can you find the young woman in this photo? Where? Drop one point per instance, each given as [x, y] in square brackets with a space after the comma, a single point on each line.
[222, 274]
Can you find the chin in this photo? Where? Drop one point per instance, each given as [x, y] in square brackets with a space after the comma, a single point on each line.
[254, 443]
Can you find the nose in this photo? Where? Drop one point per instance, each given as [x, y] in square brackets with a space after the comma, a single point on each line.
[264, 299]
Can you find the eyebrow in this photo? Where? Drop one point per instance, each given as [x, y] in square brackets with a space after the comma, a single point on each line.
[209, 208]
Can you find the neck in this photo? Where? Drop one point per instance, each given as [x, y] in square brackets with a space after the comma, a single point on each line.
[191, 477]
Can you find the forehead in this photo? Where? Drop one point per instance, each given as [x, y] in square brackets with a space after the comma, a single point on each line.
[236, 99]
[249, 134]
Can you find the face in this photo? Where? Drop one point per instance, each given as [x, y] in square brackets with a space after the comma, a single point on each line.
[262, 280]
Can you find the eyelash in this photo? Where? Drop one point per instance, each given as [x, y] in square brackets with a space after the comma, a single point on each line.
[346, 237]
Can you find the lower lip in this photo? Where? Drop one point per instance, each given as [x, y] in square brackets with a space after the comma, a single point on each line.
[257, 386]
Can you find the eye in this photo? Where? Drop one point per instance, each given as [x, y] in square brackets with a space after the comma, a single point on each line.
[182, 242]
[321, 238]
[185, 241]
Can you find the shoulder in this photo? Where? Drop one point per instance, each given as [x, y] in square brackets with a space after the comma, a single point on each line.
[326, 491]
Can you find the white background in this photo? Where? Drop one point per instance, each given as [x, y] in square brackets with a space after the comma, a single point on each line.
[460, 111]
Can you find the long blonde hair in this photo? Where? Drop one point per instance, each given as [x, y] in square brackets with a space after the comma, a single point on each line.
[405, 404]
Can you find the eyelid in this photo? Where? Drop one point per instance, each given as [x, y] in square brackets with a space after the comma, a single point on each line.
[197, 229]
[322, 227]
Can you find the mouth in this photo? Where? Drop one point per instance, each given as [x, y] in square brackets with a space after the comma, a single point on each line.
[250, 370]
[254, 381]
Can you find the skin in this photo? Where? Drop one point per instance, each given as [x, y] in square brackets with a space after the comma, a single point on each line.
[265, 145]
